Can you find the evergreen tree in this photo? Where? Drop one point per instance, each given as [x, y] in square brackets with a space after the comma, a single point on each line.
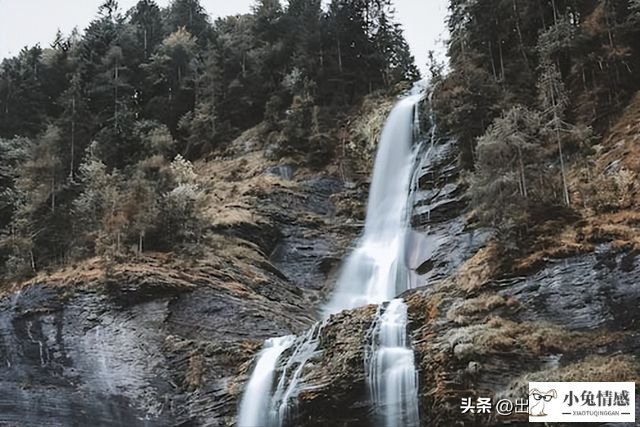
[23, 104]
[171, 76]
[508, 170]
[303, 23]
[147, 19]
[201, 124]
[190, 15]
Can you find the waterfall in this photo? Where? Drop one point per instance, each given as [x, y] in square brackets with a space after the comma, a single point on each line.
[287, 387]
[374, 273]
[257, 394]
[390, 368]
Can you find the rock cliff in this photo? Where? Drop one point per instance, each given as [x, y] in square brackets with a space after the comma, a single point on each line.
[170, 341]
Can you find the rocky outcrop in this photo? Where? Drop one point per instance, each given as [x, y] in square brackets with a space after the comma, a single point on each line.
[564, 323]
[441, 240]
[165, 341]
[144, 345]
[159, 341]
[477, 332]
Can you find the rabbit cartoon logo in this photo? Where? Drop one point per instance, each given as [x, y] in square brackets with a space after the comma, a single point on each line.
[537, 400]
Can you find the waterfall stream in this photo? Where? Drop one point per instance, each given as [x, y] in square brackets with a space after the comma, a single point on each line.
[257, 394]
[390, 368]
[374, 273]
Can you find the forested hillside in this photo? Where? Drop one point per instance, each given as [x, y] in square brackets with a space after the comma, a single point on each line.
[181, 200]
[98, 131]
[532, 91]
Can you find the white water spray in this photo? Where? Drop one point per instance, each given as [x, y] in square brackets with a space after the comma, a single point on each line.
[391, 372]
[374, 272]
[288, 385]
[257, 395]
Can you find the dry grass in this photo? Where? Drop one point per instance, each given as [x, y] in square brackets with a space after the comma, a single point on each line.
[425, 309]
[230, 263]
[232, 186]
[618, 368]
[479, 269]
[194, 377]
[622, 142]
[471, 309]
[564, 244]
[500, 335]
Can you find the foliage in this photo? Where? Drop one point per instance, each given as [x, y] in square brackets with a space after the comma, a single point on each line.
[144, 92]
[529, 85]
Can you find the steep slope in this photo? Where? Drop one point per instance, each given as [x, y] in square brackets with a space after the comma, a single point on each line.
[160, 339]
[565, 311]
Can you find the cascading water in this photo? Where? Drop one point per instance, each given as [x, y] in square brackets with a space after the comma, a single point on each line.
[287, 388]
[257, 395]
[391, 372]
[374, 273]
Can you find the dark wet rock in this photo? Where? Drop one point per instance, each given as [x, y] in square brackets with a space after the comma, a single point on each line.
[334, 390]
[84, 362]
[300, 257]
[265, 235]
[109, 355]
[441, 239]
[582, 292]
[310, 237]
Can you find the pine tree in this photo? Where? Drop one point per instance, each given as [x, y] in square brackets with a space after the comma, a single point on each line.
[23, 104]
[554, 101]
[508, 170]
[98, 210]
[12, 154]
[140, 208]
[190, 15]
[181, 207]
[147, 20]
[171, 76]
[37, 230]
[201, 124]
[303, 23]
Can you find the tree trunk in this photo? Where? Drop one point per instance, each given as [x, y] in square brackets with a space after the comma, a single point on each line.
[146, 44]
[555, 11]
[541, 11]
[565, 187]
[493, 61]
[516, 13]
[32, 259]
[73, 138]
[556, 126]
[501, 61]
[53, 193]
[115, 94]
[523, 177]
[339, 56]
